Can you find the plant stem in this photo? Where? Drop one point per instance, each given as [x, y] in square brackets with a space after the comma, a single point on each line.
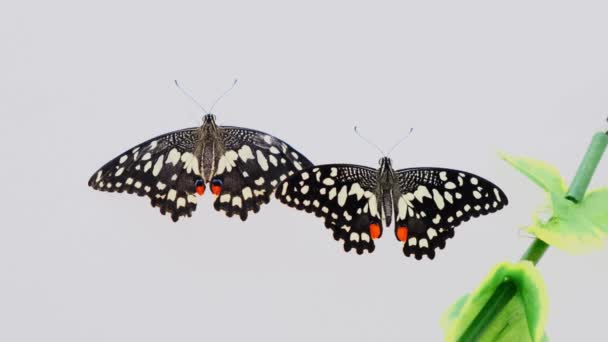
[507, 290]
[535, 251]
[587, 167]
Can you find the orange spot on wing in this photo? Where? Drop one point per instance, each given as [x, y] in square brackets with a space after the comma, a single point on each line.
[216, 189]
[374, 230]
[200, 190]
[402, 233]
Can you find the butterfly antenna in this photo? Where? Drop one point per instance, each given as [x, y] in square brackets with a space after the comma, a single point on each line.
[224, 94]
[400, 141]
[190, 97]
[369, 141]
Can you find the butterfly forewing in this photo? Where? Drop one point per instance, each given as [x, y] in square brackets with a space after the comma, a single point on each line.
[432, 201]
[163, 168]
[251, 167]
[341, 194]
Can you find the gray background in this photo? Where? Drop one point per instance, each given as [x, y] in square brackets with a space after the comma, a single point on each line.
[81, 82]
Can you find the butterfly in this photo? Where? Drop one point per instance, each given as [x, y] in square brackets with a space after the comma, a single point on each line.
[355, 201]
[241, 167]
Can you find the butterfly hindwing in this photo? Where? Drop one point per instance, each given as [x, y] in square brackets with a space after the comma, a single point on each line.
[251, 167]
[433, 201]
[343, 196]
[163, 168]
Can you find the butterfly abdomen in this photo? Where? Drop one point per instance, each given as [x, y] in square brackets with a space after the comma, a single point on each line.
[387, 206]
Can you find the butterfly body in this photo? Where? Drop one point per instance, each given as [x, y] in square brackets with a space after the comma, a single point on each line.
[240, 166]
[209, 148]
[426, 204]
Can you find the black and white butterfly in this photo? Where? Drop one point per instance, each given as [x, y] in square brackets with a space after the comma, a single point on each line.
[428, 203]
[241, 166]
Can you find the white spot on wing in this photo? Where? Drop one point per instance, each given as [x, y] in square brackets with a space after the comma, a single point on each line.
[373, 206]
[438, 199]
[158, 166]
[273, 160]
[262, 160]
[402, 207]
[342, 195]
[448, 197]
[347, 216]
[365, 237]
[356, 190]
[245, 153]
[247, 193]
[332, 193]
[497, 194]
[227, 162]
[173, 157]
[421, 193]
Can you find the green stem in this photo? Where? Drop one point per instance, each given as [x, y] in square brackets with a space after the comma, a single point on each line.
[585, 171]
[507, 290]
[535, 251]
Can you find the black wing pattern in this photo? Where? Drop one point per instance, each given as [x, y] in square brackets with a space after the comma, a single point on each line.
[434, 200]
[251, 167]
[163, 168]
[343, 195]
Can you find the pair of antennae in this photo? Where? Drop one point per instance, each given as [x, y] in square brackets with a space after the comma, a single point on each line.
[214, 103]
[378, 148]
[234, 84]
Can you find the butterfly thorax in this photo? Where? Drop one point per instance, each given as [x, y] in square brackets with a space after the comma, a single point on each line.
[209, 147]
[386, 186]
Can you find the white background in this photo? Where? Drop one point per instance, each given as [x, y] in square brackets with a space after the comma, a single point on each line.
[80, 82]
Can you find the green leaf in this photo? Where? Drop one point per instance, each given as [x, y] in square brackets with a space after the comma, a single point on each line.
[522, 319]
[595, 207]
[543, 174]
[575, 227]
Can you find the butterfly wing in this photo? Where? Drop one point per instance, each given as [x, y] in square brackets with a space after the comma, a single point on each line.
[433, 201]
[163, 168]
[344, 196]
[251, 167]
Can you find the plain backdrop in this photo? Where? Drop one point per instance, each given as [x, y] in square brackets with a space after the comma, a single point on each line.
[82, 81]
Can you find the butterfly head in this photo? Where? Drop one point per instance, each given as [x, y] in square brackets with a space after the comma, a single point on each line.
[385, 163]
[209, 118]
